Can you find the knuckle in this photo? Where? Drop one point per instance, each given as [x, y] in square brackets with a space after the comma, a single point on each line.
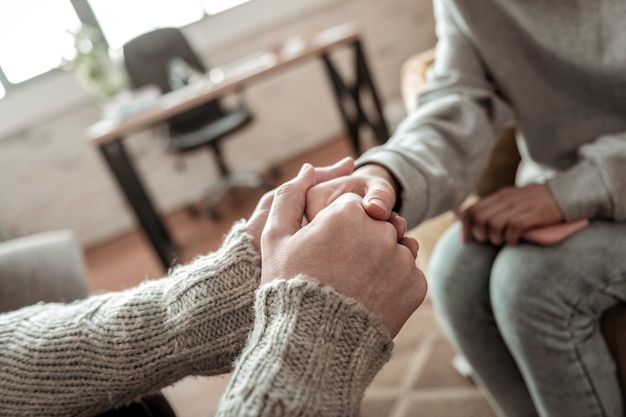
[383, 191]
[270, 233]
[475, 217]
[482, 220]
[516, 225]
[284, 189]
[349, 201]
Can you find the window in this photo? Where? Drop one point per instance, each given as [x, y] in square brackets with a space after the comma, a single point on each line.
[122, 20]
[35, 34]
[212, 7]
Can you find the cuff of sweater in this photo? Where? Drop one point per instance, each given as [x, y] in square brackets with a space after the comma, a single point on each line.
[312, 351]
[580, 192]
[211, 303]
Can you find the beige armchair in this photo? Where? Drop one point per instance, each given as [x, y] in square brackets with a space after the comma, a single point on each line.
[46, 267]
[500, 172]
[50, 267]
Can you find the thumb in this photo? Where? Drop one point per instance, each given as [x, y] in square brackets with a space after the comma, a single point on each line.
[379, 199]
[287, 211]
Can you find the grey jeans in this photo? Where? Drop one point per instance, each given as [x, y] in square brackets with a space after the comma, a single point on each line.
[527, 318]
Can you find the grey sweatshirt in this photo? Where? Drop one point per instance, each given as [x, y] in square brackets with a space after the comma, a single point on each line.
[554, 69]
[312, 351]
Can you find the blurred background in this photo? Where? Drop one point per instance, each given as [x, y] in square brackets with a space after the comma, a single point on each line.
[52, 177]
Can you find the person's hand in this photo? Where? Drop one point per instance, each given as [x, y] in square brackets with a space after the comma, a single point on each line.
[345, 248]
[256, 222]
[372, 182]
[502, 217]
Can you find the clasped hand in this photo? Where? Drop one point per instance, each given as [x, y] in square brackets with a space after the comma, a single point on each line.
[341, 246]
[503, 217]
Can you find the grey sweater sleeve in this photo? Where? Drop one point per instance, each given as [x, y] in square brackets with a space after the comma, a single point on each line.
[92, 355]
[312, 352]
[596, 185]
[439, 151]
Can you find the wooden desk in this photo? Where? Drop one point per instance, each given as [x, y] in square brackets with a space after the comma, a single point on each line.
[108, 134]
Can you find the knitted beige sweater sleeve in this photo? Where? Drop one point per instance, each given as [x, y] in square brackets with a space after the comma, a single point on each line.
[86, 357]
[312, 352]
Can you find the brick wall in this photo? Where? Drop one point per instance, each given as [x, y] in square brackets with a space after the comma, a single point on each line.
[51, 178]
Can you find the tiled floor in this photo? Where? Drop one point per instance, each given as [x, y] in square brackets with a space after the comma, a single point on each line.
[419, 379]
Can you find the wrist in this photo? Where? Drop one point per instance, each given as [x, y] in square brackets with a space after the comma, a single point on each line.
[210, 303]
[328, 346]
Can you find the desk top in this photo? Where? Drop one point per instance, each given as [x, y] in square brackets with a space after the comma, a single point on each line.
[220, 81]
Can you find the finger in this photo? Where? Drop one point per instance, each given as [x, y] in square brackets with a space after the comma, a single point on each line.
[479, 233]
[516, 228]
[257, 220]
[500, 223]
[481, 215]
[496, 227]
[338, 169]
[287, 210]
[410, 243]
[466, 226]
[263, 206]
[399, 223]
[265, 202]
[379, 199]
[494, 235]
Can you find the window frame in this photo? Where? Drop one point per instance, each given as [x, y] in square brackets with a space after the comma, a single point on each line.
[86, 16]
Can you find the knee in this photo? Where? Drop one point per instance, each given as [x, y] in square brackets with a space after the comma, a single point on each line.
[457, 275]
[525, 289]
[442, 275]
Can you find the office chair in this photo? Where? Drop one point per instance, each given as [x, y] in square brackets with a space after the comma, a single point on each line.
[164, 58]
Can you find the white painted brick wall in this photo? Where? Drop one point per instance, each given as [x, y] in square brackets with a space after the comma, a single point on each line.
[51, 178]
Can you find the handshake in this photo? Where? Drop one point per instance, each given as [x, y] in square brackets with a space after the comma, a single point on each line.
[330, 226]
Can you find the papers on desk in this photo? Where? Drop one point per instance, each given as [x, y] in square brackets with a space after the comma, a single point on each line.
[232, 72]
[334, 34]
[130, 103]
[244, 67]
[123, 107]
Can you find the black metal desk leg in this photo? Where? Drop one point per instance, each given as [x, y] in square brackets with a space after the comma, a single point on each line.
[128, 180]
[366, 82]
[350, 101]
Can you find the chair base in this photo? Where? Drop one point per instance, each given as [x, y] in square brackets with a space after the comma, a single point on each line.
[217, 191]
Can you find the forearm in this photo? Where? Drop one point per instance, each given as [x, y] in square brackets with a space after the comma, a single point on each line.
[99, 353]
[439, 151]
[312, 352]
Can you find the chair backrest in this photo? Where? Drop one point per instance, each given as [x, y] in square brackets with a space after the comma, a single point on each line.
[147, 58]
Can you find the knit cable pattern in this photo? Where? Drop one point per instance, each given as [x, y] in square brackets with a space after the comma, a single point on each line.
[312, 352]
